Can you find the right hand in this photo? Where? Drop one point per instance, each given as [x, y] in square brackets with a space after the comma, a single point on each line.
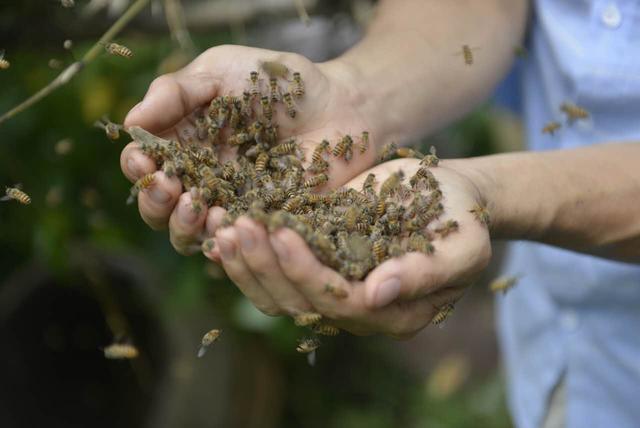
[329, 109]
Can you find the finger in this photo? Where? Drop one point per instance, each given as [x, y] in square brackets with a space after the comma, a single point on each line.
[262, 260]
[186, 224]
[171, 97]
[240, 274]
[156, 204]
[213, 222]
[134, 163]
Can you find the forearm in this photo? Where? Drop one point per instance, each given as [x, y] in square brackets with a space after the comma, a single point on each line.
[410, 76]
[585, 199]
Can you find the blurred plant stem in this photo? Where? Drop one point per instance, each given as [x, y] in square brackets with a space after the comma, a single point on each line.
[69, 72]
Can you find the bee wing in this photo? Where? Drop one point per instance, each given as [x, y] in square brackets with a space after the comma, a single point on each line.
[5, 198]
[201, 351]
[130, 199]
[1, 53]
[311, 358]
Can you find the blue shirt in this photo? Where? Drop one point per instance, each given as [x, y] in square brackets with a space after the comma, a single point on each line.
[575, 316]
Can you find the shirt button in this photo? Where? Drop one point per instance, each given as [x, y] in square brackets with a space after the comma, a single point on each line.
[611, 16]
[569, 321]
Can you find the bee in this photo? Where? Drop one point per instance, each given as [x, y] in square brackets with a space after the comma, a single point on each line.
[391, 184]
[503, 284]
[221, 116]
[143, 183]
[406, 152]
[316, 180]
[388, 150]
[381, 207]
[239, 139]
[213, 132]
[351, 217]
[293, 203]
[318, 167]
[284, 148]
[297, 85]
[120, 351]
[234, 118]
[304, 319]
[209, 337]
[255, 131]
[447, 228]
[67, 3]
[119, 50]
[482, 214]
[369, 184]
[111, 129]
[418, 242]
[326, 330]
[337, 292]
[574, 112]
[431, 159]
[4, 64]
[261, 162]
[467, 54]
[380, 250]
[344, 148]
[551, 127]
[288, 101]
[267, 110]
[254, 84]
[274, 92]
[443, 313]
[228, 170]
[364, 142]
[16, 194]
[307, 345]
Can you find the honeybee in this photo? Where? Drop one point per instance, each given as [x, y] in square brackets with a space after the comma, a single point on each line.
[406, 152]
[288, 101]
[143, 183]
[364, 141]
[274, 92]
[380, 250]
[447, 228]
[4, 64]
[388, 150]
[369, 184]
[267, 110]
[286, 148]
[120, 351]
[337, 292]
[261, 162]
[390, 185]
[111, 129]
[443, 313]
[307, 345]
[209, 337]
[239, 139]
[551, 127]
[503, 284]
[574, 112]
[222, 115]
[254, 84]
[431, 159]
[304, 319]
[16, 194]
[234, 118]
[482, 214]
[316, 180]
[467, 54]
[344, 148]
[297, 85]
[293, 203]
[119, 50]
[245, 104]
[67, 3]
[326, 330]
[319, 150]
[418, 242]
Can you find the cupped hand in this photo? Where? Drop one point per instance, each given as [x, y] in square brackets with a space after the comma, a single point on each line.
[279, 273]
[329, 110]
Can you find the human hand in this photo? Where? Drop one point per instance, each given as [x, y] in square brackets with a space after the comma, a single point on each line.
[329, 107]
[279, 273]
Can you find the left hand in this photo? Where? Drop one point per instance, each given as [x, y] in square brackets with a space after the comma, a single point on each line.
[397, 298]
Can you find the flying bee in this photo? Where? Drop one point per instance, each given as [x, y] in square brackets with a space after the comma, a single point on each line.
[551, 127]
[406, 152]
[4, 64]
[209, 337]
[574, 112]
[503, 284]
[388, 150]
[119, 50]
[288, 101]
[304, 319]
[16, 194]
[297, 85]
[120, 351]
[337, 292]
[467, 54]
[364, 141]
[443, 313]
[274, 69]
[307, 345]
[274, 92]
[447, 228]
[482, 214]
[316, 180]
[111, 129]
[254, 84]
[143, 183]
[267, 109]
[326, 330]
[344, 148]
[431, 159]
[261, 162]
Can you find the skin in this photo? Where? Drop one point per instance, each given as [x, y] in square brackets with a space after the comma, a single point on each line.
[583, 211]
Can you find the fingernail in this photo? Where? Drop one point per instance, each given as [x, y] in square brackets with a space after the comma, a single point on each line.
[247, 240]
[159, 196]
[385, 293]
[186, 214]
[280, 248]
[227, 249]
